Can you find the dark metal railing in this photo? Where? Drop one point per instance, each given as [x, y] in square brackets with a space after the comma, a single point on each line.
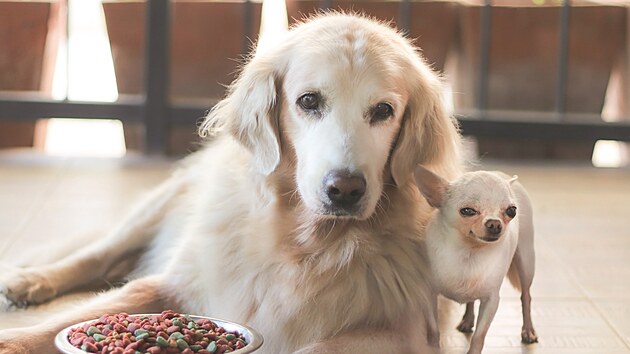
[155, 109]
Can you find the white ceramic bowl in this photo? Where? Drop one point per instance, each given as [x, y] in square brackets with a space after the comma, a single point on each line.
[254, 339]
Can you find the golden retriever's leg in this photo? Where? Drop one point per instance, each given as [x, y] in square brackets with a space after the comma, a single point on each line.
[145, 295]
[23, 286]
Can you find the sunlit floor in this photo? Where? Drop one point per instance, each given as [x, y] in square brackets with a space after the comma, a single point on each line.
[51, 206]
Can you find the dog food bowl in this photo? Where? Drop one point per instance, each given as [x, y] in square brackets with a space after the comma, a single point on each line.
[252, 337]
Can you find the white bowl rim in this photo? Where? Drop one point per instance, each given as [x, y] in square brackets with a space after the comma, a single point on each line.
[255, 342]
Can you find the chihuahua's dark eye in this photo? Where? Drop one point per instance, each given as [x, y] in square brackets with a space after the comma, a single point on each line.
[468, 211]
[309, 101]
[511, 211]
[381, 112]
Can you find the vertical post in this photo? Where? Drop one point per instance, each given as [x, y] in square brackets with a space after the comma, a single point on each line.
[66, 37]
[404, 16]
[484, 56]
[156, 103]
[563, 60]
[247, 26]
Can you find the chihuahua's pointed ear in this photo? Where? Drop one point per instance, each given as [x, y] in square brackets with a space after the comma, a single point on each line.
[432, 186]
[250, 112]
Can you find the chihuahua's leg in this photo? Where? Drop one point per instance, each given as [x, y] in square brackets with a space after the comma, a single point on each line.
[487, 310]
[22, 286]
[468, 321]
[524, 264]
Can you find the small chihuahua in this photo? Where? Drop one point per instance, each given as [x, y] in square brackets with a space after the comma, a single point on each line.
[474, 240]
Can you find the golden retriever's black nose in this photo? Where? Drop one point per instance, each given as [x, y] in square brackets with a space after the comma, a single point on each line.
[493, 227]
[344, 189]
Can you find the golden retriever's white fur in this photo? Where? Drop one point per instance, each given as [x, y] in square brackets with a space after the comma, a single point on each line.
[241, 231]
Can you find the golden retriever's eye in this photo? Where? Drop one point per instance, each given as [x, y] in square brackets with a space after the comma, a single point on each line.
[511, 211]
[468, 212]
[381, 112]
[309, 101]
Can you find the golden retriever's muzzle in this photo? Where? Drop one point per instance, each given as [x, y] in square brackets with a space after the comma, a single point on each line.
[343, 192]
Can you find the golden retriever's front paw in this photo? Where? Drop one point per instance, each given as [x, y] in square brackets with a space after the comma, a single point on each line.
[12, 348]
[32, 340]
[10, 343]
[22, 287]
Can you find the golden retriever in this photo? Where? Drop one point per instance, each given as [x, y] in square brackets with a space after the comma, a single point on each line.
[299, 217]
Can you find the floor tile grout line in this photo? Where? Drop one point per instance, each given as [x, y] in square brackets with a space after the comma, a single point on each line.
[589, 299]
[610, 324]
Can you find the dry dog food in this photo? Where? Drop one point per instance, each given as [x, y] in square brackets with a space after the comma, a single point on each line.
[168, 332]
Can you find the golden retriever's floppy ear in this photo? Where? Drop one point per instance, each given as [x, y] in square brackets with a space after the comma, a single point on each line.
[428, 134]
[249, 113]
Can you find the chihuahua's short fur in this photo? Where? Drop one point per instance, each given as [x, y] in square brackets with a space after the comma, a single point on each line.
[482, 231]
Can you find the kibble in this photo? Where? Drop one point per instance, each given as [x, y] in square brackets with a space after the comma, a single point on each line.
[168, 332]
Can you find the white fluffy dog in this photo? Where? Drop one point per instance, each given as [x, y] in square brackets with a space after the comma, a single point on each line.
[300, 216]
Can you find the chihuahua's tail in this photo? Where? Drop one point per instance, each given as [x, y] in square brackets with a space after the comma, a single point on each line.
[512, 275]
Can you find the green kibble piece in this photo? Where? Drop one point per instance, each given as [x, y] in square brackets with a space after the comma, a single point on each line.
[181, 344]
[142, 336]
[212, 347]
[137, 352]
[203, 331]
[178, 323]
[191, 325]
[229, 336]
[196, 347]
[176, 335]
[138, 332]
[161, 342]
[92, 330]
[98, 337]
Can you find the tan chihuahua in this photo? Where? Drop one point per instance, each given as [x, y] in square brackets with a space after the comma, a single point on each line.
[476, 238]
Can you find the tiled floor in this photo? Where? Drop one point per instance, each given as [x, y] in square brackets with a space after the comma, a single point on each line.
[581, 291]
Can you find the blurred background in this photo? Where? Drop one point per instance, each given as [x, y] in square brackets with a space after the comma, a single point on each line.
[529, 79]
[98, 99]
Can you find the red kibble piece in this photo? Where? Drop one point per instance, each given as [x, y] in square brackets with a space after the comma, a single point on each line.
[154, 350]
[90, 347]
[172, 329]
[132, 327]
[133, 346]
[77, 341]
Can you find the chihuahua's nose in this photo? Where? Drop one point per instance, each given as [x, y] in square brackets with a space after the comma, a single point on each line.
[493, 226]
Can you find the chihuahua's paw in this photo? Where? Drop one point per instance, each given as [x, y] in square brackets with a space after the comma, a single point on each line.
[466, 325]
[528, 336]
[22, 287]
